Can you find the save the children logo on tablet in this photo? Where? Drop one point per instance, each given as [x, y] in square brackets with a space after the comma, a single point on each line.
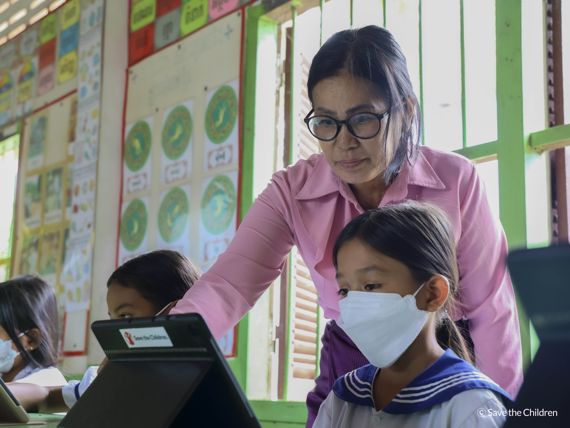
[149, 337]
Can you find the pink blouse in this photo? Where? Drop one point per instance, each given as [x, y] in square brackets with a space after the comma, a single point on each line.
[307, 205]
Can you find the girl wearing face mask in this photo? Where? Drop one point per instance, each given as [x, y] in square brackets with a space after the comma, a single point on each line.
[28, 336]
[397, 274]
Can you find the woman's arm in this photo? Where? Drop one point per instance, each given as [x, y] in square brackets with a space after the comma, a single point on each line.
[252, 261]
[486, 293]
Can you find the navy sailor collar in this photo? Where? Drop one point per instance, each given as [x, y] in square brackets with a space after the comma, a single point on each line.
[440, 382]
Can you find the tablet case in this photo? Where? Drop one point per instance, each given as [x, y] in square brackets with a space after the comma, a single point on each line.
[165, 371]
[10, 408]
[542, 279]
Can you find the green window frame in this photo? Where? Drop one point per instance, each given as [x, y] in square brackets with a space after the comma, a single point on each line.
[9, 153]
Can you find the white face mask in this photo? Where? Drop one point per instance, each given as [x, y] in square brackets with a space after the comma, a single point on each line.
[382, 325]
[7, 356]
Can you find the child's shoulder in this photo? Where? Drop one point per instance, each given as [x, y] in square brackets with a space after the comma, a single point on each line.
[439, 383]
[356, 386]
[475, 407]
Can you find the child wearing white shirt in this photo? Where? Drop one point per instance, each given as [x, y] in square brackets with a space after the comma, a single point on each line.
[397, 275]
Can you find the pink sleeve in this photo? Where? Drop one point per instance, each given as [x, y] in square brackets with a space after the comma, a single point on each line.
[252, 261]
[486, 291]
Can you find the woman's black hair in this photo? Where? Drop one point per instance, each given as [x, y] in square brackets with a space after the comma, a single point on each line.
[28, 302]
[372, 53]
[159, 276]
[419, 236]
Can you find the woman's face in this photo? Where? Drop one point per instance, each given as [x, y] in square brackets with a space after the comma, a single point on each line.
[355, 161]
[127, 302]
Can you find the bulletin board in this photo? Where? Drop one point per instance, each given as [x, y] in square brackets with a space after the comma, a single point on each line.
[38, 61]
[44, 206]
[155, 24]
[181, 151]
[54, 227]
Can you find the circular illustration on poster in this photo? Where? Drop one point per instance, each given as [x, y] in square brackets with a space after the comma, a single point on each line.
[176, 132]
[133, 224]
[173, 215]
[218, 204]
[221, 114]
[137, 146]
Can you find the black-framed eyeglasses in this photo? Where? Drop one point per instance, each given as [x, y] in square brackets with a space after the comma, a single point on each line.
[363, 125]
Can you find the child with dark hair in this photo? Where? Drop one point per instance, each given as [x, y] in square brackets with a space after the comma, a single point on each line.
[28, 335]
[397, 274]
[141, 287]
[28, 329]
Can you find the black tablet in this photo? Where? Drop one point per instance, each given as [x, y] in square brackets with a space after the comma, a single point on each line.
[541, 277]
[164, 371]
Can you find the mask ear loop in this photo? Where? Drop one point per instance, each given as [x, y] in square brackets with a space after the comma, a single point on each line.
[444, 313]
[418, 290]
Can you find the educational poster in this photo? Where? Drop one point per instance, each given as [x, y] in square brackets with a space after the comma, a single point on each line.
[8, 55]
[141, 37]
[167, 29]
[68, 41]
[176, 143]
[53, 202]
[85, 148]
[174, 219]
[83, 139]
[26, 86]
[89, 81]
[83, 203]
[6, 89]
[30, 255]
[219, 8]
[218, 206]
[221, 142]
[50, 253]
[47, 53]
[133, 229]
[91, 17]
[37, 141]
[76, 276]
[137, 169]
[156, 24]
[29, 42]
[194, 14]
[33, 201]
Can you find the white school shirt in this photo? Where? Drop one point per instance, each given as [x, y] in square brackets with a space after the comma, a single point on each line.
[450, 393]
[462, 411]
[42, 376]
